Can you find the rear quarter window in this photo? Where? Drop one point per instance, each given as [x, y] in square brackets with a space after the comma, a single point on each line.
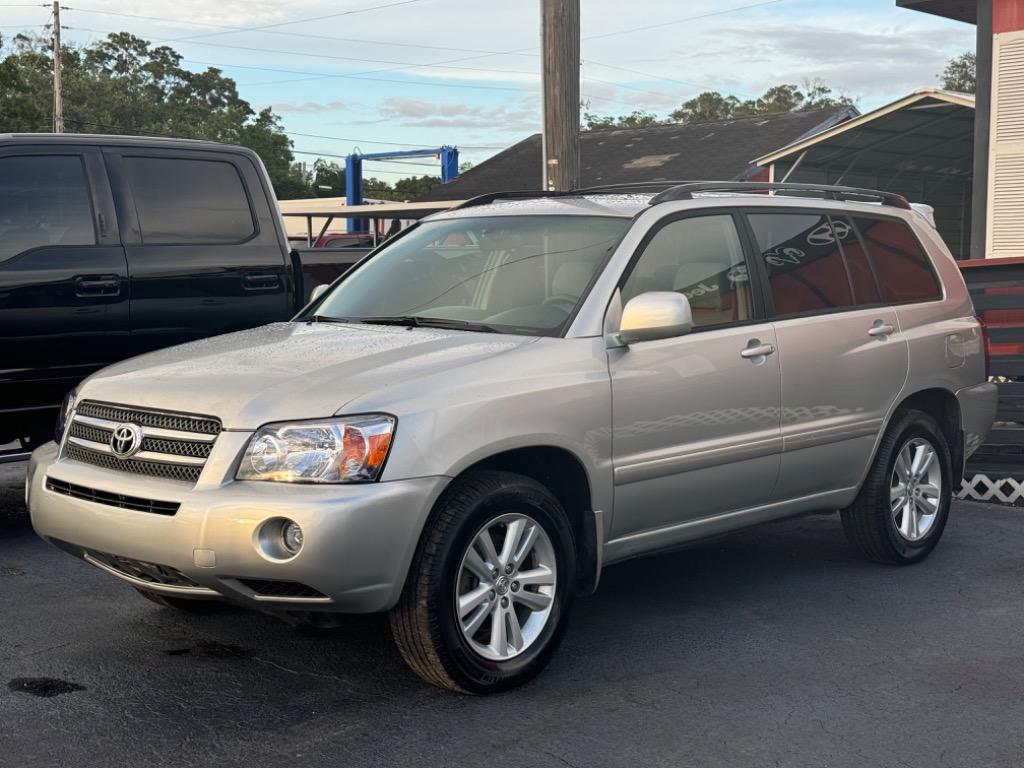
[904, 271]
[184, 201]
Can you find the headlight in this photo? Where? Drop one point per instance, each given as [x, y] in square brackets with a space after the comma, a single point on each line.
[344, 450]
[64, 416]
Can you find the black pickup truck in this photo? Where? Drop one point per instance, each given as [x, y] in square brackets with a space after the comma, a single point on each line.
[112, 246]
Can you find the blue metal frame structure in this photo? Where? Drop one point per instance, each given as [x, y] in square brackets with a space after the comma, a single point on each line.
[354, 173]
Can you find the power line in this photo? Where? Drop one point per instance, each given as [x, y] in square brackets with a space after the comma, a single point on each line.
[351, 76]
[401, 64]
[648, 74]
[687, 18]
[230, 28]
[386, 143]
[316, 18]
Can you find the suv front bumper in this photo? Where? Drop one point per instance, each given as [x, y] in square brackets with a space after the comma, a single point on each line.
[358, 539]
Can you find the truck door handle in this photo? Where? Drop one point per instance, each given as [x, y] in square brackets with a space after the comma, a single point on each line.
[762, 350]
[261, 282]
[881, 330]
[100, 285]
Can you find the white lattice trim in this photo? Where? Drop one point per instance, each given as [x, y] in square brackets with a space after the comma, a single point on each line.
[1001, 490]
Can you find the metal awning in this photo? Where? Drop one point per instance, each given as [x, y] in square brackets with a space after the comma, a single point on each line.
[929, 132]
[961, 10]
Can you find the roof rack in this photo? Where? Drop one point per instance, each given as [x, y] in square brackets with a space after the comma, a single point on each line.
[828, 191]
[642, 186]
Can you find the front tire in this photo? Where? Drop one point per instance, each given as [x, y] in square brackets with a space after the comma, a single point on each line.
[490, 587]
[901, 511]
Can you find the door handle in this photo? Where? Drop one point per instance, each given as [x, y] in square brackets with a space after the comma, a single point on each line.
[261, 282]
[762, 350]
[881, 330]
[100, 285]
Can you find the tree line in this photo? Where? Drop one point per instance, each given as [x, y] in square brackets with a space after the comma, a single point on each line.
[124, 85]
[958, 75]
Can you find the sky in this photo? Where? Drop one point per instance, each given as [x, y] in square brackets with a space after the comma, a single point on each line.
[376, 75]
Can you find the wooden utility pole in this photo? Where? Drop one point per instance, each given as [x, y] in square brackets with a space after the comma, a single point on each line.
[58, 103]
[560, 43]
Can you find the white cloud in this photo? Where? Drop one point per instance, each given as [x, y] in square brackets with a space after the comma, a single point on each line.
[416, 113]
[309, 107]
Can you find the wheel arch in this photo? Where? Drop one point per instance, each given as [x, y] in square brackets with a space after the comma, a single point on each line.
[942, 405]
[564, 474]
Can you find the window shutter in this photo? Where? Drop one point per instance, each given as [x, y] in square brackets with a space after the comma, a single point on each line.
[1006, 154]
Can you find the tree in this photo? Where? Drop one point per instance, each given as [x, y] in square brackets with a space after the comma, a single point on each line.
[124, 85]
[636, 119]
[960, 73]
[328, 174]
[414, 186]
[710, 106]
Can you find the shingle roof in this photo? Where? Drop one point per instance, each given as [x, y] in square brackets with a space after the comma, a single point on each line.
[717, 151]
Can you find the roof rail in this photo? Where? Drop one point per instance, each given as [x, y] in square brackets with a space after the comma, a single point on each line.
[641, 186]
[490, 197]
[828, 191]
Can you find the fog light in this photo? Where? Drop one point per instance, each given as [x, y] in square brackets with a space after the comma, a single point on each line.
[291, 533]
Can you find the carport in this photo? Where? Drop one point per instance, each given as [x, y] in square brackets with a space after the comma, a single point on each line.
[920, 146]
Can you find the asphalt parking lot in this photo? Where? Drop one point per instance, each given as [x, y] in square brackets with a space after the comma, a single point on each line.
[776, 646]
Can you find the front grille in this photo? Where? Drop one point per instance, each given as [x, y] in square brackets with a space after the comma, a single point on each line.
[118, 500]
[173, 446]
[153, 444]
[135, 467]
[180, 422]
[151, 573]
[266, 588]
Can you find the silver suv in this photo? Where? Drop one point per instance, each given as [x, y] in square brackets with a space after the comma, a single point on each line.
[502, 400]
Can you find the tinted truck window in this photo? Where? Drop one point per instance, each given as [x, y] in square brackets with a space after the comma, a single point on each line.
[183, 201]
[44, 200]
[804, 261]
[903, 269]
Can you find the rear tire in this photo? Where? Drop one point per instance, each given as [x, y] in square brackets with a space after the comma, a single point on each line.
[185, 604]
[901, 511]
[490, 587]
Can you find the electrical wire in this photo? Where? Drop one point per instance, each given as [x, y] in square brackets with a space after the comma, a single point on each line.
[400, 64]
[349, 76]
[685, 19]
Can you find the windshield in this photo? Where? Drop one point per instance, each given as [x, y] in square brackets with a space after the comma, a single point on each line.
[519, 274]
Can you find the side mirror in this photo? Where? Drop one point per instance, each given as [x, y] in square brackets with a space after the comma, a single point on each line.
[655, 315]
[317, 292]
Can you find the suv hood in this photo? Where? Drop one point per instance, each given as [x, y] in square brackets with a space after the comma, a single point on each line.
[289, 371]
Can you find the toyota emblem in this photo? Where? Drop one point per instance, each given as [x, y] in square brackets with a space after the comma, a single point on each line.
[125, 440]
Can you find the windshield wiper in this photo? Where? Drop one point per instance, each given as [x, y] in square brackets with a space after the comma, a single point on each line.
[327, 319]
[419, 321]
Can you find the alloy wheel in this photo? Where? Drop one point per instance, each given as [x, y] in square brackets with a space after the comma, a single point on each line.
[505, 588]
[915, 490]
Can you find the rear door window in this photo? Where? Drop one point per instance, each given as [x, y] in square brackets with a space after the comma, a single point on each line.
[862, 278]
[804, 262]
[184, 201]
[44, 200]
[904, 272]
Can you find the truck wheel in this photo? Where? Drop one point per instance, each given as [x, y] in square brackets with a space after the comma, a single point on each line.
[490, 586]
[901, 510]
[188, 605]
